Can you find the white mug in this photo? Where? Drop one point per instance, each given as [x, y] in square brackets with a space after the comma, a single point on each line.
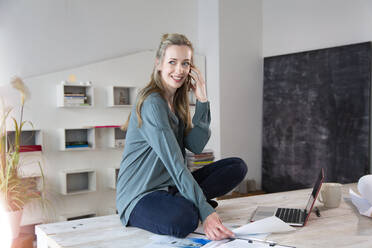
[330, 195]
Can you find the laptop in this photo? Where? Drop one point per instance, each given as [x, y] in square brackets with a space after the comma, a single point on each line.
[292, 216]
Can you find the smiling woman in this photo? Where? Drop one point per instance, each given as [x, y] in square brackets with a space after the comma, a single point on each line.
[155, 189]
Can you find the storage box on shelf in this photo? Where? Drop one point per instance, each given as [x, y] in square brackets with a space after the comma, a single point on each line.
[111, 135]
[121, 96]
[30, 140]
[118, 137]
[30, 157]
[75, 95]
[77, 139]
[78, 181]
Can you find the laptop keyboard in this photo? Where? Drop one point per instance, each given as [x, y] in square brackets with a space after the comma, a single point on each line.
[290, 215]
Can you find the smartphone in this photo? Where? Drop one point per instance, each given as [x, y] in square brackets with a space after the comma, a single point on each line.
[192, 81]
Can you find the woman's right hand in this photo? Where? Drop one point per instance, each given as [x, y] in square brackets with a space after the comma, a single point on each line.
[214, 229]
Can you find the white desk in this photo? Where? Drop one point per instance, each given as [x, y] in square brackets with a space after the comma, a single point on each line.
[339, 227]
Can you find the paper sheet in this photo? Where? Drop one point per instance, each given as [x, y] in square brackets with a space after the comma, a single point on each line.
[364, 202]
[258, 229]
[268, 225]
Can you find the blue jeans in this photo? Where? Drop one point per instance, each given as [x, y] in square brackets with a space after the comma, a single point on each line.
[167, 213]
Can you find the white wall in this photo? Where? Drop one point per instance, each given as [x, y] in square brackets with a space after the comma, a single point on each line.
[298, 25]
[209, 44]
[42, 36]
[241, 82]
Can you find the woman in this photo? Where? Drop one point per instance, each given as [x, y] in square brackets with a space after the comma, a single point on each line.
[155, 190]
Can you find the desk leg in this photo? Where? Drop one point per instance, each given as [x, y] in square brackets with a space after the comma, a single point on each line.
[41, 239]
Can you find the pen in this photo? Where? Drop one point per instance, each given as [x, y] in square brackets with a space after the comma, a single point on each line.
[270, 243]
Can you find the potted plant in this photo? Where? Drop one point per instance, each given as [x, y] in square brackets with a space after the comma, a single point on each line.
[15, 191]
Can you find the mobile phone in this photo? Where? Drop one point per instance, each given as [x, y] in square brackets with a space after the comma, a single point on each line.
[192, 81]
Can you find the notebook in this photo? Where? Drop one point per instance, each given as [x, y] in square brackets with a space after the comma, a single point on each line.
[292, 216]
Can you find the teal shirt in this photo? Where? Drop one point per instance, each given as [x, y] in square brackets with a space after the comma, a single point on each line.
[153, 156]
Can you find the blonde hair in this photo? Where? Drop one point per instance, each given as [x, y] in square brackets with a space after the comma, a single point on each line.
[181, 97]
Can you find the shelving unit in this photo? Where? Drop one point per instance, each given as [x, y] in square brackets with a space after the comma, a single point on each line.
[121, 96]
[76, 139]
[78, 181]
[30, 140]
[75, 95]
[112, 176]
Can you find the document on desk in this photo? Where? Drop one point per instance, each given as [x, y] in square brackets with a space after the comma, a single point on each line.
[249, 235]
[268, 225]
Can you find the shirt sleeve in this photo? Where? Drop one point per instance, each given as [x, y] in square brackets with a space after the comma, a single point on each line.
[199, 135]
[157, 131]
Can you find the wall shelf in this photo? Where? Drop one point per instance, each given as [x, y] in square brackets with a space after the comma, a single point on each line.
[117, 137]
[121, 96]
[78, 181]
[75, 95]
[30, 140]
[77, 139]
[110, 135]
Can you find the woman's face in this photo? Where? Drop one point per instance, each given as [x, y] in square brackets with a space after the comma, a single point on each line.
[175, 66]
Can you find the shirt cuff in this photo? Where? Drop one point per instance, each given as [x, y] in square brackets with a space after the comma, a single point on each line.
[201, 110]
[205, 211]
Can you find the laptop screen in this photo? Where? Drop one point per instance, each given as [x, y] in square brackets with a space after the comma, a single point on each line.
[315, 191]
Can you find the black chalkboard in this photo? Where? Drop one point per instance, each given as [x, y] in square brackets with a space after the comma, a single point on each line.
[316, 114]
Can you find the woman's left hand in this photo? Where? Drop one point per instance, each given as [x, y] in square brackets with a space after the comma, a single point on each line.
[199, 87]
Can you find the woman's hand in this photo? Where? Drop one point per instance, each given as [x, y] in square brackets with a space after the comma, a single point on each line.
[214, 229]
[199, 87]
